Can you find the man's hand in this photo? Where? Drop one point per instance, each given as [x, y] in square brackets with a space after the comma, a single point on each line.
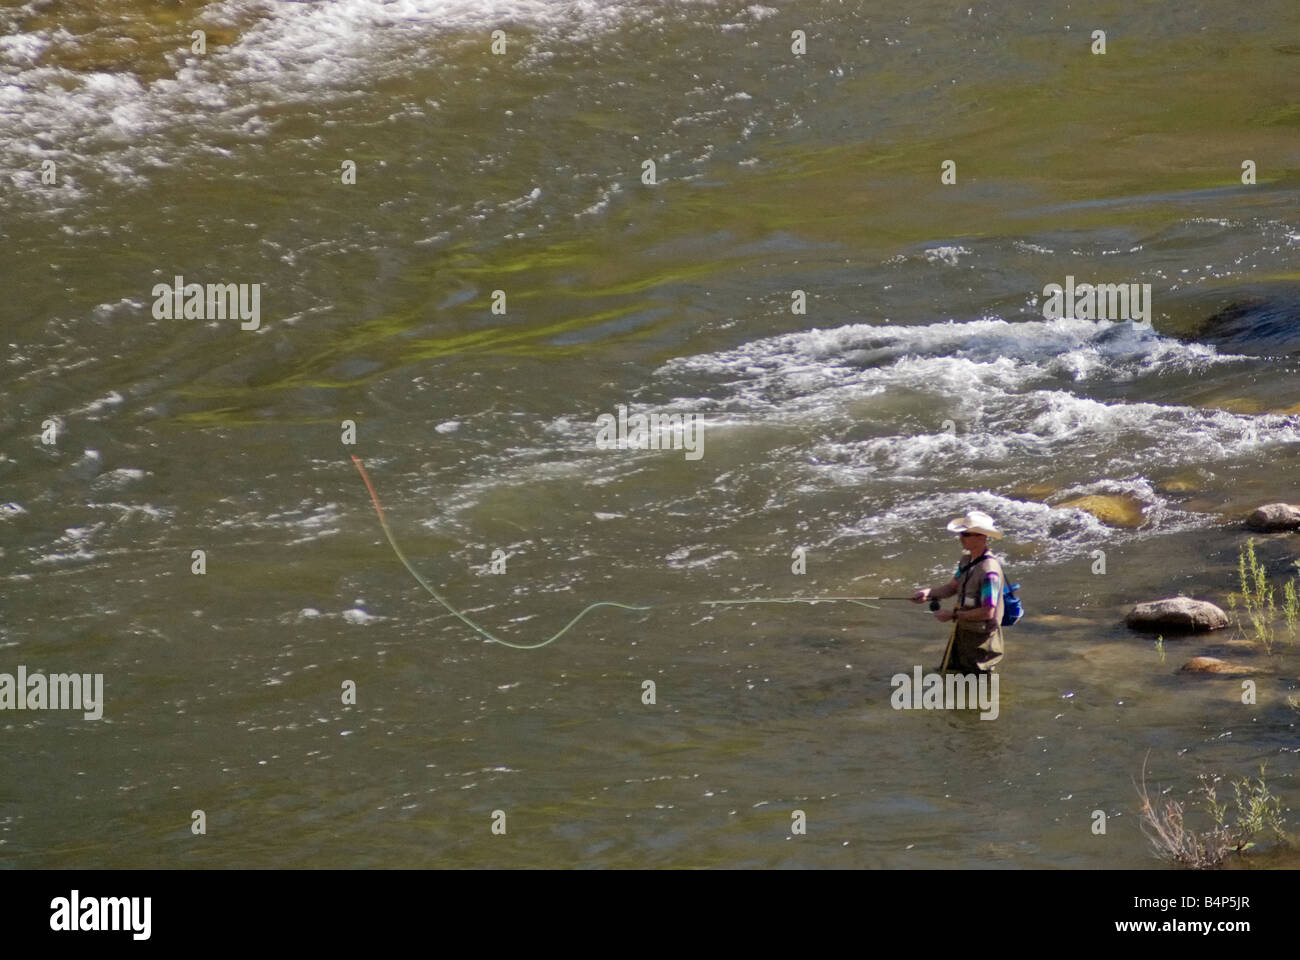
[943, 616]
[921, 595]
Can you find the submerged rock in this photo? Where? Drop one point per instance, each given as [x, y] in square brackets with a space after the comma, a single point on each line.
[1177, 614]
[1238, 644]
[1236, 404]
[1114, 510]
[1216, 666]
[1180, 484]
[1060, 620]
[1275, 516]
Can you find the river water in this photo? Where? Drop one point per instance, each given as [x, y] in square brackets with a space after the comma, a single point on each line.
[923, 380]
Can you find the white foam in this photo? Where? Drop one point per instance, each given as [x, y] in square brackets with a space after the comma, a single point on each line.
[111, 399]
[946, 254]
[1076, 348]
[951, 400]
[75, 543]
[975, 407]
[117, 479]
[291, 52]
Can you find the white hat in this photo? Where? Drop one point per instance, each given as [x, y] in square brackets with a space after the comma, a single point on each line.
[975, 522]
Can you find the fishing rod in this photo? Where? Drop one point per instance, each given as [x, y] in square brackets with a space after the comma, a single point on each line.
[934, 604]
[805, 600]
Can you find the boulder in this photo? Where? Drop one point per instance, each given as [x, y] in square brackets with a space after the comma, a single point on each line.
[1114, 510]
[1272, 517]
[1216, 666]
[1177, 615]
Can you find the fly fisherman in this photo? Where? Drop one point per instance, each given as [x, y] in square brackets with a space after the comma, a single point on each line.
[976, 643]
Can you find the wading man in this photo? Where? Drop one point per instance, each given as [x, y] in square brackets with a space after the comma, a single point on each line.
[976, 644]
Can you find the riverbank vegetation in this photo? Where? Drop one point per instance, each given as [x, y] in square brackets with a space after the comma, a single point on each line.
[1257, 602]
[1257, 816]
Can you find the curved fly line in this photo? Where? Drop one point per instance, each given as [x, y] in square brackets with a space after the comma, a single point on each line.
[488, 635]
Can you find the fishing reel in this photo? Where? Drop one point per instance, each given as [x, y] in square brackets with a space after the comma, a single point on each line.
[934, 605]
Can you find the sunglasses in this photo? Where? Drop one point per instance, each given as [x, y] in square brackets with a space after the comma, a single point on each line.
[967, 534]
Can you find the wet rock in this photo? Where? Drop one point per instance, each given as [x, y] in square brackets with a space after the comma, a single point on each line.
[1216, 666]
[1114, 510]
[1177, 615]
[1178, 485]
[1272, 517]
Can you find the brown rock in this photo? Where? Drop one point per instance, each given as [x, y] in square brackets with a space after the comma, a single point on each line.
[1177, 614]
[1216, 666]
[1114, 510]
[1275, 516]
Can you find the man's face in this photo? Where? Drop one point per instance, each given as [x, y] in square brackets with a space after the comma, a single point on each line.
[973, 543]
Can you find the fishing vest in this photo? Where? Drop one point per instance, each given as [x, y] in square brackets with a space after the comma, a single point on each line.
[968, 596]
